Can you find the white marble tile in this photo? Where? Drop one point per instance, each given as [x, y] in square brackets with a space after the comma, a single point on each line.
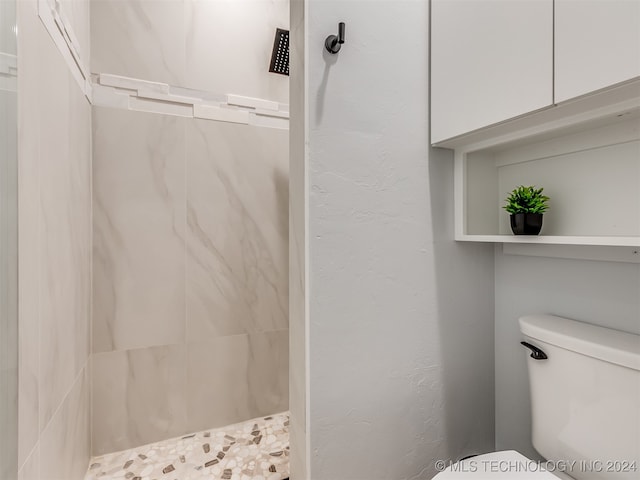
[139, 223]
[162, 107]
[237, 377]
[138, 397]
[134, 84]
[58, 25]
[237, 256]
[8, 42]
[77, 13]
[268, 121]
[233, 56]
[109, 97]
[298, 434]
[64, 229]
[211, 112]
[28, 220]
[153, 94]
[65, 443]
[252, 102]
[139, 38]
[272, 113]
[140, 95]
[8, 422]
[30, 468]
[54, 235]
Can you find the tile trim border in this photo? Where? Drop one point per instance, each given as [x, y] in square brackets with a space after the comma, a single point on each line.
[116, 91]
[60, 31]
[141, 95]
[8, 72]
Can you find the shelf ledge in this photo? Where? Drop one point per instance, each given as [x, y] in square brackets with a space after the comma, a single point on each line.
[632, 241]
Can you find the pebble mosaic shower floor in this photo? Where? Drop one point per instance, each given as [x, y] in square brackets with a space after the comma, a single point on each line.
[254, 450]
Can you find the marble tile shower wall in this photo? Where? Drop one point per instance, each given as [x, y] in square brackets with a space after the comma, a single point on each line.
[54, 228]
[190, 275]
[216, 46]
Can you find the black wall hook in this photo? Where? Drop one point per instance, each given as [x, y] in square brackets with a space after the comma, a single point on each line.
[334, 42]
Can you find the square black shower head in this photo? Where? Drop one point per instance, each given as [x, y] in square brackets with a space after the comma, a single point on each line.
[280, 54]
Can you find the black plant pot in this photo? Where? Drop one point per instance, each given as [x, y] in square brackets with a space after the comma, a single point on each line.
[526, 223]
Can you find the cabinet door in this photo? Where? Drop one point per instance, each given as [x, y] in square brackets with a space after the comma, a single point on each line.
[597, 44]
[491, 60]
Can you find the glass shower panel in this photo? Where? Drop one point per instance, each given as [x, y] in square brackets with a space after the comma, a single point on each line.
[8, 243]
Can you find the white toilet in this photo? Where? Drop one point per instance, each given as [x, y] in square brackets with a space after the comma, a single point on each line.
[585, 406]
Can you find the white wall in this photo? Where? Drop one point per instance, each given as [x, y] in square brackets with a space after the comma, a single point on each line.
[601, 293]
[400, 331]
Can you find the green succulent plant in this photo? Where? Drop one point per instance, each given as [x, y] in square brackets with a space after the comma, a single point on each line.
[526, 200]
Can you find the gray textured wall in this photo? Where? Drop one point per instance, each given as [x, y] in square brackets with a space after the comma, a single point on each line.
[401, 317]
[597, 292]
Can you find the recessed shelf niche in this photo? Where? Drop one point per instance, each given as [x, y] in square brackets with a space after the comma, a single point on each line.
[591, 171]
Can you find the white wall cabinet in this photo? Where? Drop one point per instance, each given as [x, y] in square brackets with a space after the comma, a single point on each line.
[544, 93]
[491, 60]
[597, 44]
[496, 61]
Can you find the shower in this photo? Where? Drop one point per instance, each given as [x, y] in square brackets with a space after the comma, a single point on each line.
[154, 235]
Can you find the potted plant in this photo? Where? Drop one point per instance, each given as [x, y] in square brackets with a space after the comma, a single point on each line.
[526, 206]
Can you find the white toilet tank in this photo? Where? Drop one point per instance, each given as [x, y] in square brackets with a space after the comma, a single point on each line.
[585, 397]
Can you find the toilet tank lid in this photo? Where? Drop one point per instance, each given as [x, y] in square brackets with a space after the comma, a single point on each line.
[602, 343]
